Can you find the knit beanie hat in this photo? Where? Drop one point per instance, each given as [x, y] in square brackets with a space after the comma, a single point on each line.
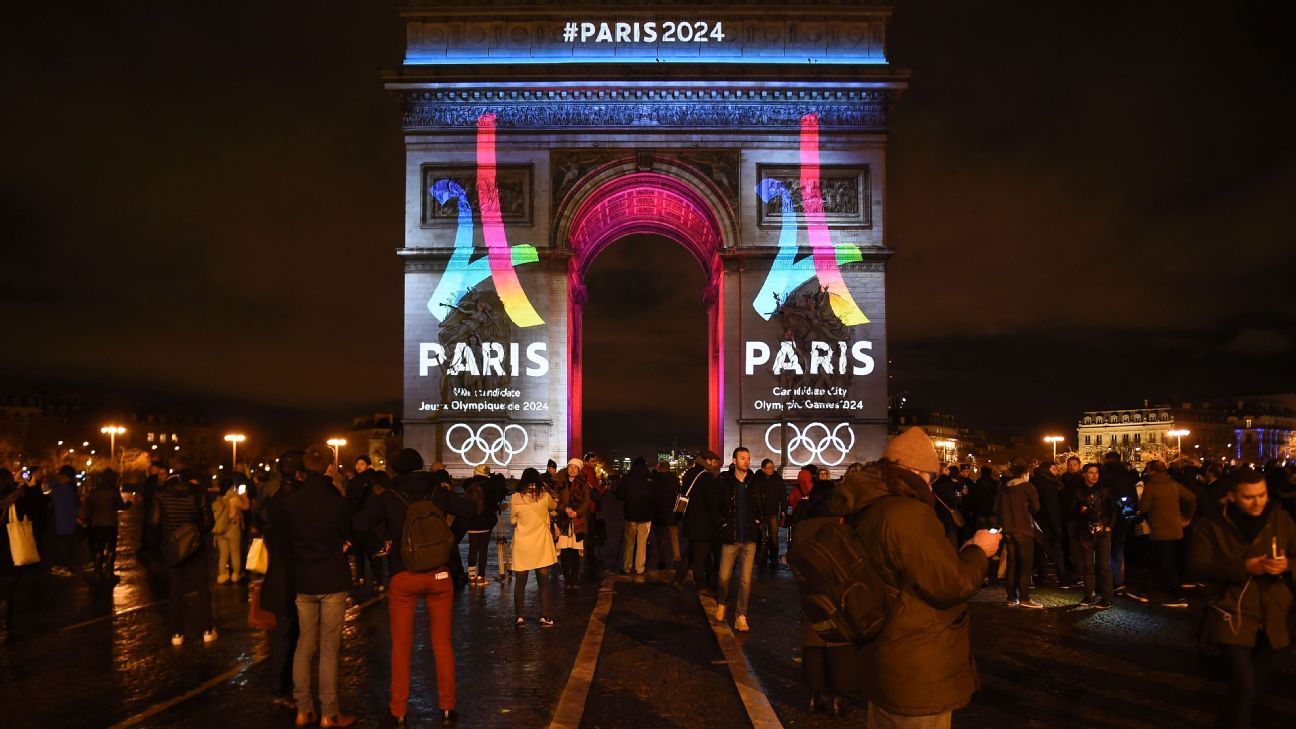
[407, 461]
[913, 449]
[576, 462]
[481, 470]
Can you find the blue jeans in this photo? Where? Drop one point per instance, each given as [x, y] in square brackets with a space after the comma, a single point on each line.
[320, 621]
[728, 553]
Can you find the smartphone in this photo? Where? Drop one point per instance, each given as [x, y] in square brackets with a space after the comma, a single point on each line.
[993, 530]
[242, 489]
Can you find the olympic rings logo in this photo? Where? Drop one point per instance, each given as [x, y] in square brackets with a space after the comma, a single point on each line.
[807, 442]
[490, 440]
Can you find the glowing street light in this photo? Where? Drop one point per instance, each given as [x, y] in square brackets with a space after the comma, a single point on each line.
[336, 444]
[1179, 434]
[234, 439]
[112, 431]
[1054, 439]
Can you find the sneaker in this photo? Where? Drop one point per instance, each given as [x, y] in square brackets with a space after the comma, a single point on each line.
[546, 622]
[177, 639]
[720, 613]
[222, 579]
[1189, 586]
[1176, 602]
[1089, 600]
[1014, 603]
[209, 636]
[519, 622]
[340, 720]
[740, 624]
[1135, 596]
[1103, 604]
[1032, 604]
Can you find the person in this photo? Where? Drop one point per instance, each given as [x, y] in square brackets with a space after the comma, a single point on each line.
[228, 512]
[701, 527]
[1091, 537]
[481, 521]
[1121, 485]
[829, 670]
[1016, 508]
[1049, 539]
[407, 587]
[66, 505]
[498, 494]
[799, 493]
[572, 521]
[981, 498]
[948, 500]
[596, 527]
[16, 497]
[278, 592]
[1169, 507]
[102, 504]
[635, 491]
[740, 526]
[769, 485]
[359, 489]
[1242, 551]
[665, 487]
[147, 551]
[926, 631]
[318, 527]
[533, 544]
[183, 500]
[1072, 482]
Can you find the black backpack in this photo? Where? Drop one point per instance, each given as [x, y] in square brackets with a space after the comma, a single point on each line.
[843, 597]
[426, 540]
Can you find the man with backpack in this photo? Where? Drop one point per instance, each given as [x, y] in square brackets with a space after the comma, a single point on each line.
[912, 620]
[318, 527]
[430, 522]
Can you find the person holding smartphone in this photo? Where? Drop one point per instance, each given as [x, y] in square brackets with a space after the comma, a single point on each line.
[1241, 550]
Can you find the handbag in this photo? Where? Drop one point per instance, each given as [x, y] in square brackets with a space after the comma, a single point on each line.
[682, 500]
[955, 518]
[258, 617]
[22, 539]
[258, 559]
[182, 543]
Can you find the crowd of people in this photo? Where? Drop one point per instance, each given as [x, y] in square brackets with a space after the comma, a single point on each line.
[926, 536]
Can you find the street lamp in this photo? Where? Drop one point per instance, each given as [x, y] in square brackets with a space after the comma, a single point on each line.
[1054, 439]
[1178, 434]
[112, 431]
[336, 444]
[234, 439]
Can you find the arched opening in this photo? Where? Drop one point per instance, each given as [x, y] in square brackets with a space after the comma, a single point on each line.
[645, 203]
[645, 339]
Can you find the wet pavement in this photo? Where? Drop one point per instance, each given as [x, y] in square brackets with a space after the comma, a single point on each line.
[101, 657]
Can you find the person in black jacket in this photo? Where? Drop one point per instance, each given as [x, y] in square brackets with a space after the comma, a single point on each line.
[1091, 537]
[773, 498]
[358, 491]
[101, 506]
[1049, 538]
[665, 529]
[435, 587]
[635, 490]
[740, 526]
[318, 527]
[277, 592]
[1121, 485]
[181, 501]
[18, 497]
[701, 525]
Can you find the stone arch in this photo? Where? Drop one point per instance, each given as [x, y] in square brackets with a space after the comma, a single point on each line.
[668, 200]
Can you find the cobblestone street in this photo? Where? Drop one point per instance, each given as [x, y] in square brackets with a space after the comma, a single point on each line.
[659, 665]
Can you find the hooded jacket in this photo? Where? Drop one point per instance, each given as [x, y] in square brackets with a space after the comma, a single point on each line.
[921, 663]
[1016, 507]
[1168, 504]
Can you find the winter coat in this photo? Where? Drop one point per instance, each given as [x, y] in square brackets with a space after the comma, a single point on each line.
[1094, 511]
[1218, 555]
[318, 526]
[1120, 483]
[387, 511]
[921, 662]
[981, 496]
[102, 504]
[1168, 505]
[773, 494]
[66, 503]
[180, 502]
[533, 544]
[574, 494]
[277, 593]
[731, 490]
[665, 488]
[635, 490]
[702, 519]
[359, 489]
[804, 485]
[1016, 507]
[1048, 489]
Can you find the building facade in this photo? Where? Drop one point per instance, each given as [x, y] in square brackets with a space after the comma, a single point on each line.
[1241, 430]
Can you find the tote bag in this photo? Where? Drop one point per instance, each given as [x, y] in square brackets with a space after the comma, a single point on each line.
[258, 559]
[22, 541]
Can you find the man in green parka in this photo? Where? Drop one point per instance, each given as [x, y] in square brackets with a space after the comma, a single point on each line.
[919, 669]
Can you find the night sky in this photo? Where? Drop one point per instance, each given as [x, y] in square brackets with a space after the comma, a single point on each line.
[1092, 204]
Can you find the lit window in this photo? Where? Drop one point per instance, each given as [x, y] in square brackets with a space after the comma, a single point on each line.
[175, 438]
[1137, 437]
[150, 437]
[162, 437]
[1087, 440]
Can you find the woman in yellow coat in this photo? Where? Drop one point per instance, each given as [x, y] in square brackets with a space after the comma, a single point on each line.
[533, 544]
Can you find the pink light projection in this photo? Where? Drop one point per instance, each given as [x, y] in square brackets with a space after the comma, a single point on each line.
[825, 253]
[516, 304]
